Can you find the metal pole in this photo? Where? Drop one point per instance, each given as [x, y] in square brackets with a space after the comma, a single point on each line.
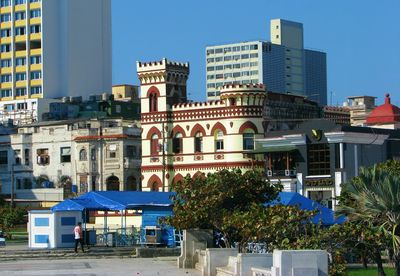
[163, 157]
[12, 186]
[101, 156]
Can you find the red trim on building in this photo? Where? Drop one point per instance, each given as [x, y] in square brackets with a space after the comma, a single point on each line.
[152, 131]
[200, 166]
[153, 90]
[197, 128]
[248, 125]
[177, 129]
[219, 126]
[154, 183]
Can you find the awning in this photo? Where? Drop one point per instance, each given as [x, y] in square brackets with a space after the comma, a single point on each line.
[325, 216]
[114, 201]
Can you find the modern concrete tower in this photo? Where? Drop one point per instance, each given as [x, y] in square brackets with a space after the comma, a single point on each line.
[52, 49]
[282, 64]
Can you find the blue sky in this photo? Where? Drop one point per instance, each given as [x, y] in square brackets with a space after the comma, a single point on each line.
[360, 37]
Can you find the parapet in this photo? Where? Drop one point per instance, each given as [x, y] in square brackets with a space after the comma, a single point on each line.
[163, 64]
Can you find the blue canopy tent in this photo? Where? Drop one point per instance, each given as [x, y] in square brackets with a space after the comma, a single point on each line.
[325, 216]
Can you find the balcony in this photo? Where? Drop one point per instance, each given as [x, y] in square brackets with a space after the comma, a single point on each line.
[282, 173]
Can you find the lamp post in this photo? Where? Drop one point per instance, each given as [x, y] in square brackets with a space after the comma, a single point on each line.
[12, 186]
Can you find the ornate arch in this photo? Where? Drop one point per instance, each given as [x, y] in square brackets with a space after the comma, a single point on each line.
[248, 125]
[218, 126]
[152, 131]
[153, 90]
[197, 128]
[177, 178]
[199, 174]
[154, 183]
[177, 129]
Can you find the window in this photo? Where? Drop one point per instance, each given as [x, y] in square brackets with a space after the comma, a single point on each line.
[93, 155]
[219, 76]
[154, 145]
[22, 106]
[34, 1]
[236, 66]
[210, 68]
[245, 47]
[20, 2]
[131, 151]
[245, 56]
[318, 159]
[153, 102]
[20, 31]
[43, 157]
[5, 32]
[254, 47]
[248, 140]
[27, 156]
[219, 140]
[210, 51]
[5, 78]
[5, 3]
[198, 142]
[211, 85]
[227, 58]
[36, 90]
[35, 29]
[20, 15]
[218, 59]
[83, 155]
[210, 77]
[21, 92]
[255, 55]
[210, 60]
[4, 63]
[219, 67]
[36, 59]
[5, 17]
[36, 75]
[228, 66]
[65, 155]
[236, 74]
[219, 50]
[112, 151]
[20, 76]
[20, 61]
[236, 49]
[255, 63]
[177, 143]
[3, 157]
[5, 48]
[245, 64]
[17, 155]
[35, 13]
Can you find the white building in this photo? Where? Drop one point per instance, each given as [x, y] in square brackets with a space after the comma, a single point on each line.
[43, 161]
[51, 49]
[283, 64]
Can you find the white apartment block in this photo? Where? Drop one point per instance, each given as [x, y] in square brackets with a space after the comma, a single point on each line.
[52, 49]
[282, 65]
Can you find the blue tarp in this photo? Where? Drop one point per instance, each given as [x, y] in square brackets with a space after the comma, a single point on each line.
[326, 216]
[114, 201]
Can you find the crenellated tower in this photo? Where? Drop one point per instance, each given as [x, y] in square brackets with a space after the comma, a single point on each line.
[163, 83]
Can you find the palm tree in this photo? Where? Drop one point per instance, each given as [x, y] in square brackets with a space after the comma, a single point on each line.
[374, 198]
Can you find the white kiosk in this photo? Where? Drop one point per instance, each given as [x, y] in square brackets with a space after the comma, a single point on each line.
[49, 229]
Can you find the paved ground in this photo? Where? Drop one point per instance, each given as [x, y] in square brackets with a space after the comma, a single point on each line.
[91, 267]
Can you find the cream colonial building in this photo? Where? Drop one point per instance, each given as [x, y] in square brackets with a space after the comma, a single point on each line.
[41, 162]
[181, 137]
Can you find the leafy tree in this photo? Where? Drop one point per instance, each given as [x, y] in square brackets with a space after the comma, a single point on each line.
[373, 199]
[213, 202]
[10, 217]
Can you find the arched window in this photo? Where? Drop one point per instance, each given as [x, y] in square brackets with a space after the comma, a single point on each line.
[83, 155]
[248, 139]
[153, 105]
[219, 140]
[154, 145]
[198, 142]
[177, 143]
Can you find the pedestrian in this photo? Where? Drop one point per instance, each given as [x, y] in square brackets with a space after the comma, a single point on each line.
[78, 237]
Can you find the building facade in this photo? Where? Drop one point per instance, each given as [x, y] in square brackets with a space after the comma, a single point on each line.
[181, 138]
[318, 156]
[283, 64]
[41, 160]
[360, 107]
[52, 49]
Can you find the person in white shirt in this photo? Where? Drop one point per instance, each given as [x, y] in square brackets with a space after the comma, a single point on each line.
[78, 237]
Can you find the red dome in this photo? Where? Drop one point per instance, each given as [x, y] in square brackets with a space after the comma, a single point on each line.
[384, 114]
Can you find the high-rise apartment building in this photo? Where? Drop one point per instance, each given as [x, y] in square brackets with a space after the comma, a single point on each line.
[51, 49]
[283, 64]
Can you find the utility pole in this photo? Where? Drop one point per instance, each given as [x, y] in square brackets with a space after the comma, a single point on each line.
[163, 155]
[12, 186]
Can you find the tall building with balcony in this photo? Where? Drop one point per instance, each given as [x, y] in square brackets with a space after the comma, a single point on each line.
[282, 64]
[52, 49]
